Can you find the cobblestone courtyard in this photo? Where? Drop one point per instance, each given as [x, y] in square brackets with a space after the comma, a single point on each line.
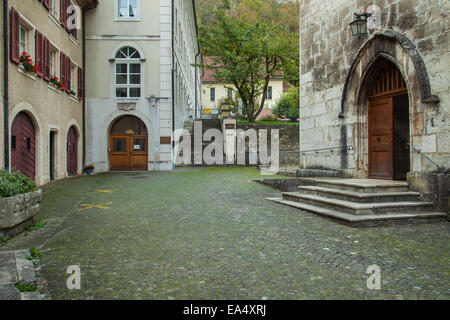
[209, 234]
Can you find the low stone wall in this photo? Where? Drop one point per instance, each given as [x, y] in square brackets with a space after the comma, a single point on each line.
[18, 212]
[289, 140]
[433, 187]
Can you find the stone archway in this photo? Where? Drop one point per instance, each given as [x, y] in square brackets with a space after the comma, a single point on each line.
[383, 46]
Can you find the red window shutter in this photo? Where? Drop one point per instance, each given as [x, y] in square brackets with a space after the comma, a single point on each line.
[63, 67]
[69, 75]
[62, 16]
[15, 36]
[46, 59]
[47, 4]
[66, 6]
[80, 83]
[39, 53]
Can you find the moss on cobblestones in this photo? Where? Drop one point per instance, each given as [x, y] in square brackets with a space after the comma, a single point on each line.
[209, 234]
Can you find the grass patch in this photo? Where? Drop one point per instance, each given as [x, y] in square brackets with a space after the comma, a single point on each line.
[25, 287]
[4, 239]
[39, 224]
[34, 254]
[269, 122]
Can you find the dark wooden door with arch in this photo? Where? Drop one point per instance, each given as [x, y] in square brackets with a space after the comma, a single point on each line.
[388, 122]
[72, 152]
[23, 145]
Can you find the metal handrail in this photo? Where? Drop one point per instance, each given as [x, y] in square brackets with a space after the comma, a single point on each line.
[418, 151]
[347, 148]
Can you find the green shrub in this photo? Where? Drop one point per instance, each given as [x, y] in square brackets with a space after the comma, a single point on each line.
[12, 184]
[288, 105]
[26, 287]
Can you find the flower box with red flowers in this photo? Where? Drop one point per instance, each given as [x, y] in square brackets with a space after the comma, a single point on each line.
[55, 81]
[89, 169]
[27, 63]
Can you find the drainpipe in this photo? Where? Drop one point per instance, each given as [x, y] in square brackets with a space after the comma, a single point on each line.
[5, 84]
[86, 9]
[196, 81]
[173, 84]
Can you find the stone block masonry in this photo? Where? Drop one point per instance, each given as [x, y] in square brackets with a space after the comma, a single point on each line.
[335, 75]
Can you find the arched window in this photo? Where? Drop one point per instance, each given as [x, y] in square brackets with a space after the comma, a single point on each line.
[128, 73]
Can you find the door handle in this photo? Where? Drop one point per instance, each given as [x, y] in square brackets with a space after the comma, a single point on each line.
[379, 139]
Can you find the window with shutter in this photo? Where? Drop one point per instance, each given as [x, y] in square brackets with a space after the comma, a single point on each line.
[62, 70]
[47, 4]
[46, 59]
[39, 53]
[15, 36]
[68, 75]
[63, 9]
[80, 82]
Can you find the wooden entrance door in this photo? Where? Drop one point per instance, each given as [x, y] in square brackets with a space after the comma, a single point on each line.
[72, 152]
[128, 152]
[388, 125]
[23, 145]
[381, 138]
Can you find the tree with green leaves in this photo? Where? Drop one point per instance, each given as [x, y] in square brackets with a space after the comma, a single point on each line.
[247, 55]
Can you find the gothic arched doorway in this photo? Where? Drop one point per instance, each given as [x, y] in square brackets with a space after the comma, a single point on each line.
[23, 145]
[72, 152]
[388, 123]
[128, 144]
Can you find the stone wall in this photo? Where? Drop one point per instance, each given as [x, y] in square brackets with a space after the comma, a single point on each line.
[289, 140]
[414, 34]
[18, 212]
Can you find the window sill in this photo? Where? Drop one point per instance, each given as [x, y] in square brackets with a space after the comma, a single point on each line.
[21, 70]
[74, 98]
[54, 88]
[127, 99]
[74, 40]
[127, 19]
[55, 20]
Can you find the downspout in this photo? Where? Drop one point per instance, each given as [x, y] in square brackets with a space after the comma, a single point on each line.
[5, 84]
[196, 81]
[84, 77]
[173, 85]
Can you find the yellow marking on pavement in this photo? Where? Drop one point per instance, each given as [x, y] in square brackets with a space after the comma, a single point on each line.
[103, 206]
[106, 191]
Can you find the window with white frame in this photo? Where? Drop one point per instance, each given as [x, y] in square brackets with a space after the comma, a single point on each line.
[53, 61]
[128, 73]
[73, 79]
[24, 40]
[128, 9]
[54, 7]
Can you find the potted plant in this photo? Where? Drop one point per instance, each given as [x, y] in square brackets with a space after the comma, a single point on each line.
[89, 169]
[19, 202]
[55, 81]
[27, 63]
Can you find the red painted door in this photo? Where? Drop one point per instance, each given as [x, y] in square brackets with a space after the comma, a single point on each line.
[23, 145]
[381, 138]
[72, 152]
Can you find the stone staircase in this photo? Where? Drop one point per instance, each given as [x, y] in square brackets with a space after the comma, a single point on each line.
[361, 202]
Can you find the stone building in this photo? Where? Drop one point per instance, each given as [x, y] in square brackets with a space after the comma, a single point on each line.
[141, 85]
[42, 119]
[375, 105]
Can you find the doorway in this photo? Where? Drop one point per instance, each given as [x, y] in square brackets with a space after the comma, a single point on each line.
[72, 152]
[52, 152]
[128, 149]
[23, 145]
[388, 122]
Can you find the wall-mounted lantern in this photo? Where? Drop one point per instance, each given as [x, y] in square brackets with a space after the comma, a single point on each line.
[359, 25]
[152, 100]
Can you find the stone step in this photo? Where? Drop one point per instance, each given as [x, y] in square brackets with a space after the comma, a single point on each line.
[365, 220]
[361, 185]
[359, 208]
[360, 197]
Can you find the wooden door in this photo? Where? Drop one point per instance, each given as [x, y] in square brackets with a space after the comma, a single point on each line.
[23, 145]
[52, 154]
[139, 153]
[72, 152]
[381, 138]
[120, 152]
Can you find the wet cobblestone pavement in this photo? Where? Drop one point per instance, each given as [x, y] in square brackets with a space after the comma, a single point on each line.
[209, 234]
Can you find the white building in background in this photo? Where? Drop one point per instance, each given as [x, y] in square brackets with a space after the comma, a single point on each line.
[140, 82]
